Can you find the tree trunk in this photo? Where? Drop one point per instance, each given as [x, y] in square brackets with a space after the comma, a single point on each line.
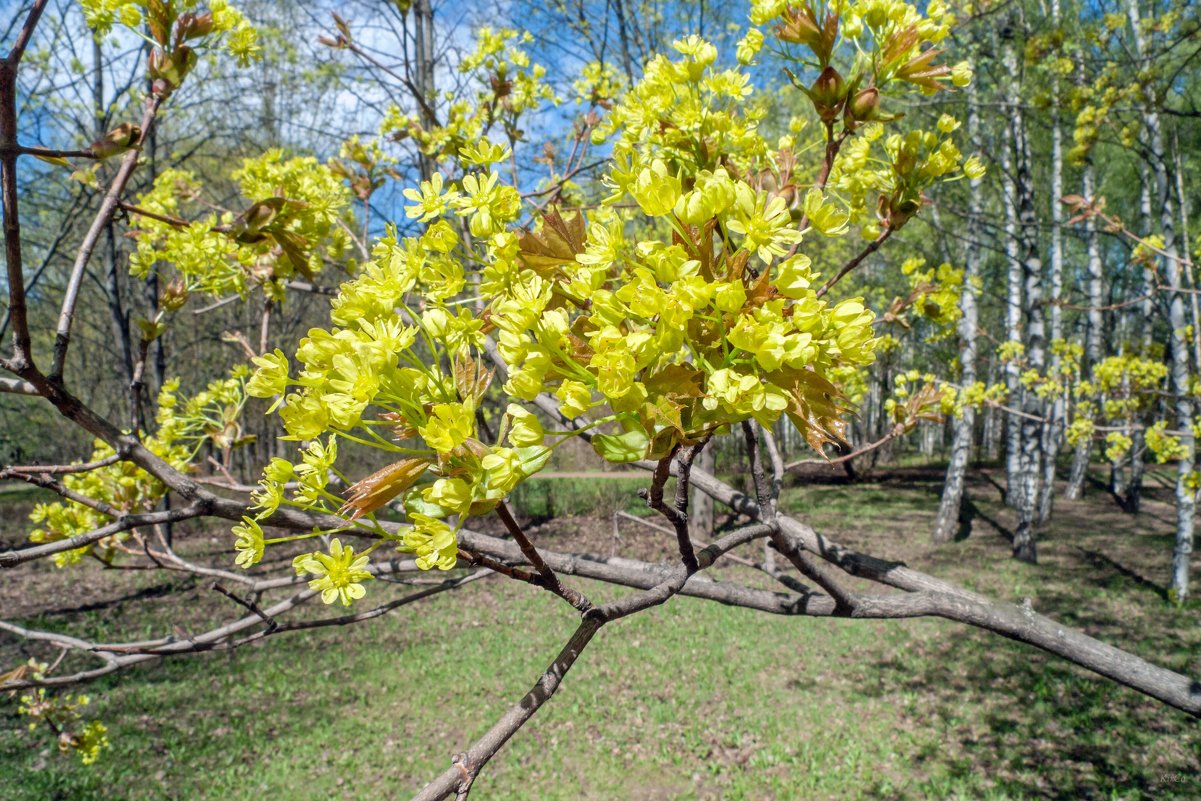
[700, 508]
[1186, 237]
[1093, 332]
[1013, 316]
[1053, 431]
[1030, 272]
[1178, 320]
[423, 73]
[1023, 425]
[947, 523]
[1132, 490]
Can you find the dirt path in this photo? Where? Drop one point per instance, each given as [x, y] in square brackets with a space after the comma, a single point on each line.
[590, 474]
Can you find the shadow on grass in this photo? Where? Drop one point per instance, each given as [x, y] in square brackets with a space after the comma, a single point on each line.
[1036, 727]
[1100, 560]
[969, 512]
[156, 591]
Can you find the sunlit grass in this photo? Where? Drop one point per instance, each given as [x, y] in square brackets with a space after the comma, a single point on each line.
[690, 701]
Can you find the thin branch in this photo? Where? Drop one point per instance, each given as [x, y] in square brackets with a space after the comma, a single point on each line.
[178, 222]
[894, 432]
[47, 483]
[104, 215]
[12, 558]
[49, 153]
[676, 514]
[546, 576]
[871, 248]
[18, 51]
[251, 606]
[833, 145]
[467, 765]
[58, 469]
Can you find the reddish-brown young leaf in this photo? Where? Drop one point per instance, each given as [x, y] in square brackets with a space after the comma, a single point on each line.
[558, 242]
[370, 493]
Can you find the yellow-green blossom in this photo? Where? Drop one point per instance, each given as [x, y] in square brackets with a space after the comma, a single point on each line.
[340, 574]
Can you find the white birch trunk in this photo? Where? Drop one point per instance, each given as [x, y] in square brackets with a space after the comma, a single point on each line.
[1094, 328]
[1178, 319]
[1013, 300]
[1053, 431]
[947, 522]
[1024, 461]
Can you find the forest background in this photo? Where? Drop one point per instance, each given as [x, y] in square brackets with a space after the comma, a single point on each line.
[1026, 428]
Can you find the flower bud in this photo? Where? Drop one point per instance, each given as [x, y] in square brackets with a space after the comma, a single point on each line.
[864, 105]
[173, 295]
[827, 93]
[195, 26]
[173, 67]
[120, 139]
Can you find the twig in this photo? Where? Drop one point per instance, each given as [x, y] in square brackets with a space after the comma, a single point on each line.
[251, 606]
[178, 222]
[893, 433]
[871, 248]
[57, 469]
[12, 558]
[103, 216]
[833, 145]
[546, 576]
[677, 515]
[45, 482]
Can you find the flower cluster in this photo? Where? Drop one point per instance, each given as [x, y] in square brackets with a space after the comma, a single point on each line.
[686, 302]
[507, 87]
[210, 417]
[61, 713]
[178, 28]
[292, 223]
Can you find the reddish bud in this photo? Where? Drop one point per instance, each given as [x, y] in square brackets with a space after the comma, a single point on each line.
[864, 105]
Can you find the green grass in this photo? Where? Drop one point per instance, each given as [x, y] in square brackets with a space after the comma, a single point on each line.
[689, 701]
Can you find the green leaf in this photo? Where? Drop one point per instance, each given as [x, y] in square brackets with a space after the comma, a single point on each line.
[533, 458]
[621, 448]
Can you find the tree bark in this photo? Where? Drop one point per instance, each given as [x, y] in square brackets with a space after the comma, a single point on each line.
[1025, 279]
[700, 512]
[1093, 332]
[1178, 320]
[946, 525]
[1053, 430]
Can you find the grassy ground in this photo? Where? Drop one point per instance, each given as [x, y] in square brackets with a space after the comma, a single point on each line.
[690, 701]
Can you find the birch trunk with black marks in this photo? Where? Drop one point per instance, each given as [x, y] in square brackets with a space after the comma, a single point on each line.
[1025, 441]
[946, 524]
[1013, 298]
[1029, 462]
[1172, 304]
[1093, 330]
[1053, 430]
